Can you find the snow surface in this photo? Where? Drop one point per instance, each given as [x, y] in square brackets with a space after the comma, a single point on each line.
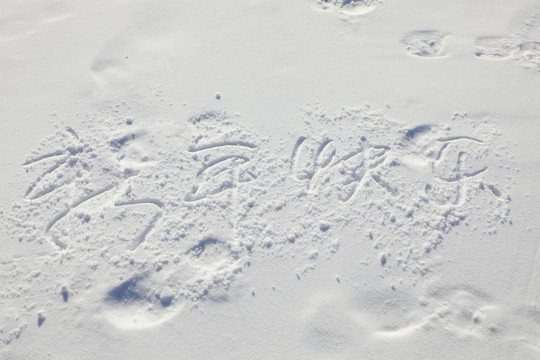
[351, 179]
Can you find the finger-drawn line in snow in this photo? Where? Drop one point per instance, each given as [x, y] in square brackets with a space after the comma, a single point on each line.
[463, 137]
[385, 185]
[196, 148]
[225, 163]
[139, 238]
[450, 166]
[47, 182]
[69, 153]
[217, 176]
[75, 204]
[151, 224]
[45, 156]
[323, 167]
[50, 188]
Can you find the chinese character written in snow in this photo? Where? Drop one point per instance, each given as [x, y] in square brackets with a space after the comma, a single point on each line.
[224, 152]
[327, 164]
[458, 159]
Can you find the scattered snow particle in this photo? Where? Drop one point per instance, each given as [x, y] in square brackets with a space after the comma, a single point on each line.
[115, 260]
[65, 293]
[166, 297]
[41, 318]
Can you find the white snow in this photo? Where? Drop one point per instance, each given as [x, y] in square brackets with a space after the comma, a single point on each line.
[304, 179]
